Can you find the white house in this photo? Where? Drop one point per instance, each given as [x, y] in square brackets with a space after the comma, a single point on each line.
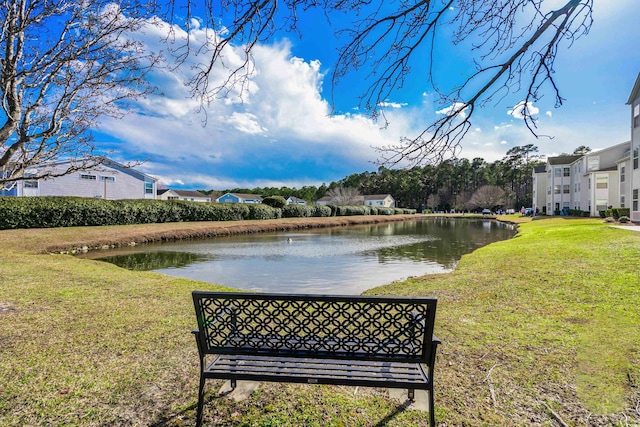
[295, 201]
[324, 200]
[380, 200]
[188, 195]
[239, 198]
[111, 180]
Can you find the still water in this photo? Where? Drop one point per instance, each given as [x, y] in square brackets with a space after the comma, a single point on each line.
[346, 260]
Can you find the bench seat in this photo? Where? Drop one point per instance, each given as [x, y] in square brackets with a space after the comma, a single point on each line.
[318, 371]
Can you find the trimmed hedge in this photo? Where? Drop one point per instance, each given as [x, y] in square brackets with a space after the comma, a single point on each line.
[47, 212]
[305, 211]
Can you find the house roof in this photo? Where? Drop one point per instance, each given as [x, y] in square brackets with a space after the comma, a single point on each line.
[563, 160]
[296, 199]
[189, 193]
[377, 196]
[113, 165]
[244, 196]
[634, 91]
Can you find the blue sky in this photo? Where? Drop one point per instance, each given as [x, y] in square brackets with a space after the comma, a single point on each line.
[282, 132]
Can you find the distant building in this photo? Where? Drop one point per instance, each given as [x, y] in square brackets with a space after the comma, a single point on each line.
[380, 200]
[540, 188]
[189, 195]
[326, 200]
[633, 171]
[110, 180]
[295, 201]
[239, 198]
[591, 182]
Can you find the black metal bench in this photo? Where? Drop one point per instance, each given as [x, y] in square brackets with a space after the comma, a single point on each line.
[316, 339]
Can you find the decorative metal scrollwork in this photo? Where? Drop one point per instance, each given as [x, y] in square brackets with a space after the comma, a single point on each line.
[330, 327]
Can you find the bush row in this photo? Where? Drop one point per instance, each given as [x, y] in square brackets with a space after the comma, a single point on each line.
[615, 213]
[578, 212]
[46, 212]
[367, 210]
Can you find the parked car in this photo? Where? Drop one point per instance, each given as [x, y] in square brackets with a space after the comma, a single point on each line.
[486, 211]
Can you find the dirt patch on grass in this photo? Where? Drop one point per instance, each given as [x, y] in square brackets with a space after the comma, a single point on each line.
[56, 240]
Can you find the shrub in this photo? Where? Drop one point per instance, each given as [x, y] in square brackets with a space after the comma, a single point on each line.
[350, 210]
[623, 219]
[263, 211]
[275, 201]
[298, 211]
[619, 212]
[603, 214]
[322, 211]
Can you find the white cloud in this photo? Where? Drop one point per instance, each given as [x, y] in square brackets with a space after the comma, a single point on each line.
[522, 110]
[457, 106]
[549, 114]
[393, 104]
[245, 122]
[280, 125]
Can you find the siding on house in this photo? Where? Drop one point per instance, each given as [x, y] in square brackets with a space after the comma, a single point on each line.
[239, 198]
[187, 195]
[634, 172]
[108, 181]
[380, 200]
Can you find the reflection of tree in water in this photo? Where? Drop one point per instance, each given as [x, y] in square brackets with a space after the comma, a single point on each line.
[452, 239]
[145, 261]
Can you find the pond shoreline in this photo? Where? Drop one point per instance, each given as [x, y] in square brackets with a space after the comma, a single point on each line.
[74, 239]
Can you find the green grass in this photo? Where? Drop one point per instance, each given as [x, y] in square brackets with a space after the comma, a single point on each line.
[548, 321]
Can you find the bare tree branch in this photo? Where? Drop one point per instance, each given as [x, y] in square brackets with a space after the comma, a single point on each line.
[516, 42]
[64, 64]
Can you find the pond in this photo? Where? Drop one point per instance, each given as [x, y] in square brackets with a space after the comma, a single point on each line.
[344, 260]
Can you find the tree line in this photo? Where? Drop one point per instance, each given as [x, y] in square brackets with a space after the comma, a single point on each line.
[460, 184]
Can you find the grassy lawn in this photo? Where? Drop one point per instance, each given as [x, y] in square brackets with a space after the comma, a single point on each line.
[540, 328]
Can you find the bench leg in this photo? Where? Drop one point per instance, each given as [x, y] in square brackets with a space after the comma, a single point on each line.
[200, 402]
[233, 384]
[432, 416]
[411, 395]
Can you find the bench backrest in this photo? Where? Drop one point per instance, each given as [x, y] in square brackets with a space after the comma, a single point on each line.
[350, 327]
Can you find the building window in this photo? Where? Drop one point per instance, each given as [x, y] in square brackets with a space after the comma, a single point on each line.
[566, 172]
[31, 184]
[148, 187]
[601, 205]
[635, 199]
[108, 178]
[89, 177]
[622, 201]
[557, 172]
[636, 115]
[635, 158]
[556, 189]
[172, 198]
[622, 172]
[565, 189]
[602, 182]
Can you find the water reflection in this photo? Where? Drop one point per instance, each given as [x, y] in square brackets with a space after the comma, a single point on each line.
[345, 260]
[146, 261]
